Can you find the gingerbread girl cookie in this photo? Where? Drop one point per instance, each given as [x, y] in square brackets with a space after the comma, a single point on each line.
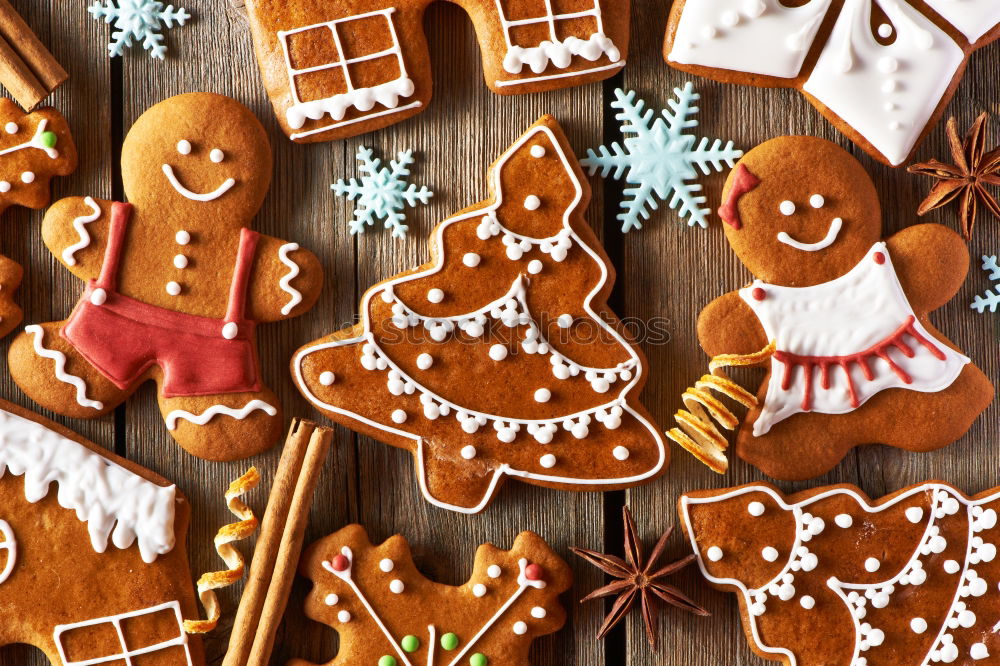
[492, 360]
[856, 358]
[176, 283]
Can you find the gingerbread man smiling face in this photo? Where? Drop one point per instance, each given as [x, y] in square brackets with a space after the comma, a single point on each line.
[856, 358]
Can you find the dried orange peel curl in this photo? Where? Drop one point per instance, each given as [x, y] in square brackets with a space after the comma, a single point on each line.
[697, 432]
[224, 538]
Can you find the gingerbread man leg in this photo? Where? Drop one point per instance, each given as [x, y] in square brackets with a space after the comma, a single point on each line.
[10, 279]
[223, 427]
[54, 374]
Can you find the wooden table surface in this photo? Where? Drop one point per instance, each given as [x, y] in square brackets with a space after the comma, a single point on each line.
[666, 271]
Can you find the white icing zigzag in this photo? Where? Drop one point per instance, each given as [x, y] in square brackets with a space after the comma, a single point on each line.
[114, 502]
[69, 254]
[215, 410]
[286, 282]
[61, 374]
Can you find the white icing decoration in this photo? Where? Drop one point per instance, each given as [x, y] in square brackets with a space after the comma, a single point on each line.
[498, 352]
[230, 330]
[787, 208]
[918, 625]
[35, 142]
[773, 40]
[79, 224]
[362, 99]
[479, 590]
[331, 600]
[538, 150]
[817, 201]
[914, 514]
[184, 147]
[807, 602]
[543, 395]
[872, 565]
[9, 544]
[216, 155]
[435, 295]
[534, 266]
[11, 127]
[770, 554]
[468, 452]
[564, 320]
[714, 554]
[974, 18]
[216, 410]
[494, 571]
[180, 261]
[755, 509]
[98, 296]
[471, 259]
[226, 185]
[928, 55]
[295, 296]
[885, 31]
[620, 453]
[127, 654]
[344, 617]
[979, 651]
[61, 374]
[182, 237]
[547, 461]
[827, 241]
[520, 628]
[386, 565]
[425, 361]
[843, 317]
[531, 202]
[843, 520]
[173, 288]
[28, 177]
[538, 612]
[396, 586]
[4, 186]
[398, 416]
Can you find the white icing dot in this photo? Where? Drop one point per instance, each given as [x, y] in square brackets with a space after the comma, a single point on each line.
[216, 155]
[173, 288]
[326, 378]
[494, 571]
[230, 330]
[895, 125]
[914, 514]
[479, 590]
[620, 453]
[885, 31]
[180, 261]
[182, 237]
[753, 8]
[498, 352]
[872, 565]
[435, 295]
[184, 147]
[332, 600]
[399, 416]
[888, 65]
[918, 625]
[889, 106]
[538, 612]
[564, 320]
[966, 619]
[547, 461]
[787, 207]
[978, 651]
[769, 553]
[531, 202]
[807, 602]
[843, 520]
[4, 186]
[891, 85]
[538, 151]
[11, 127]
[714, 553]
[543, 395]
[520, 628]
[396, 586]
[98, 296]
[951, 566]
[817, 201]
[729, 18]
[344, 616]
[755, 509]
[28, 177]
[471, 259]
[386, 565]
[709, 32]
[534, 266]
[468, 452]
[425, 361]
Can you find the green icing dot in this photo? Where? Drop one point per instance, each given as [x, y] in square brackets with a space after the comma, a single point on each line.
[410, 643]
[449, 641]
[49, 139]
[387, 660]
[478, 659]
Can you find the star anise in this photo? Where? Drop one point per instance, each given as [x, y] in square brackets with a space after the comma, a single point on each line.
[966, 179]
[638, 580]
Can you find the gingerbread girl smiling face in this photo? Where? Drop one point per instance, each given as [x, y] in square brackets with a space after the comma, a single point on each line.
[856, 359]
[176, 283]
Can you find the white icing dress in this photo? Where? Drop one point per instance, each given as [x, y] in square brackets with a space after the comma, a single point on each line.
[841, 342]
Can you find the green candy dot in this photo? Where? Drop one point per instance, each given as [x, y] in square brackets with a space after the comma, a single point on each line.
[410, 643]
[478, 659]
[49, 139]
[449, 641]
[387, 660]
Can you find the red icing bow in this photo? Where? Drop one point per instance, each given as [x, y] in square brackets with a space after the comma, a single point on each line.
[743, 182]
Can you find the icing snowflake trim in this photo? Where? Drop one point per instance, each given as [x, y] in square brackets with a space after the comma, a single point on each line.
[140, 20]
[988, 299]
[382, 193]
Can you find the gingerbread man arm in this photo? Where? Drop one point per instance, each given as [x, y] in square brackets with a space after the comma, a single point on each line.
[931, 262]
[76, 231]
[285, 282]
[727, 325]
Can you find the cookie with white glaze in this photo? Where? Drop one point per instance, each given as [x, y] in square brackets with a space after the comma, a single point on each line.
[857, 359]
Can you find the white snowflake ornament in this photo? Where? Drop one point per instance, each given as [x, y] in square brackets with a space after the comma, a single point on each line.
[140, 20]
[660, 157]
[989, 299]
[382, 193]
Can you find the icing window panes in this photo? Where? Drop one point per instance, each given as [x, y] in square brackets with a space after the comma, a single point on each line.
[113, 625]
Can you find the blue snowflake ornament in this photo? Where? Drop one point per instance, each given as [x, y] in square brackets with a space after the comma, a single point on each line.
[140, 20]
[989, 299]
[660, 158]
[382, 193]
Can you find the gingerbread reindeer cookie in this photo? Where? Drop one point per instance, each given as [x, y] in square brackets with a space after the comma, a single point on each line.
[387, 613]
[492, 360]
[827, 576]
[176, 283]
[856, 358]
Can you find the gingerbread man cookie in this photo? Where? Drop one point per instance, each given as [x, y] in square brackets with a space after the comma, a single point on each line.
[93, 561]
[176, 283]
[827, 576]
[492, 360]
[388, 614]
[856, 358]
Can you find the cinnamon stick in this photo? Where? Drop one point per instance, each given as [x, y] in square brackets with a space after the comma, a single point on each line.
[279, 546]
[27, 69]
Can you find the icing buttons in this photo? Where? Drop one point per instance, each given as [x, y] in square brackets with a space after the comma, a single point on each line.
[755, 509]
[769, 553]
[714, 554]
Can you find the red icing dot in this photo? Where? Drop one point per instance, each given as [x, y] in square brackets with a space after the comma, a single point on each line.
[533, 572]
[340, 563]
[879, 258]
[758, 294]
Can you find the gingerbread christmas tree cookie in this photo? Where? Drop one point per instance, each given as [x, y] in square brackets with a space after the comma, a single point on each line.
[387, 614]
[499, 357]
